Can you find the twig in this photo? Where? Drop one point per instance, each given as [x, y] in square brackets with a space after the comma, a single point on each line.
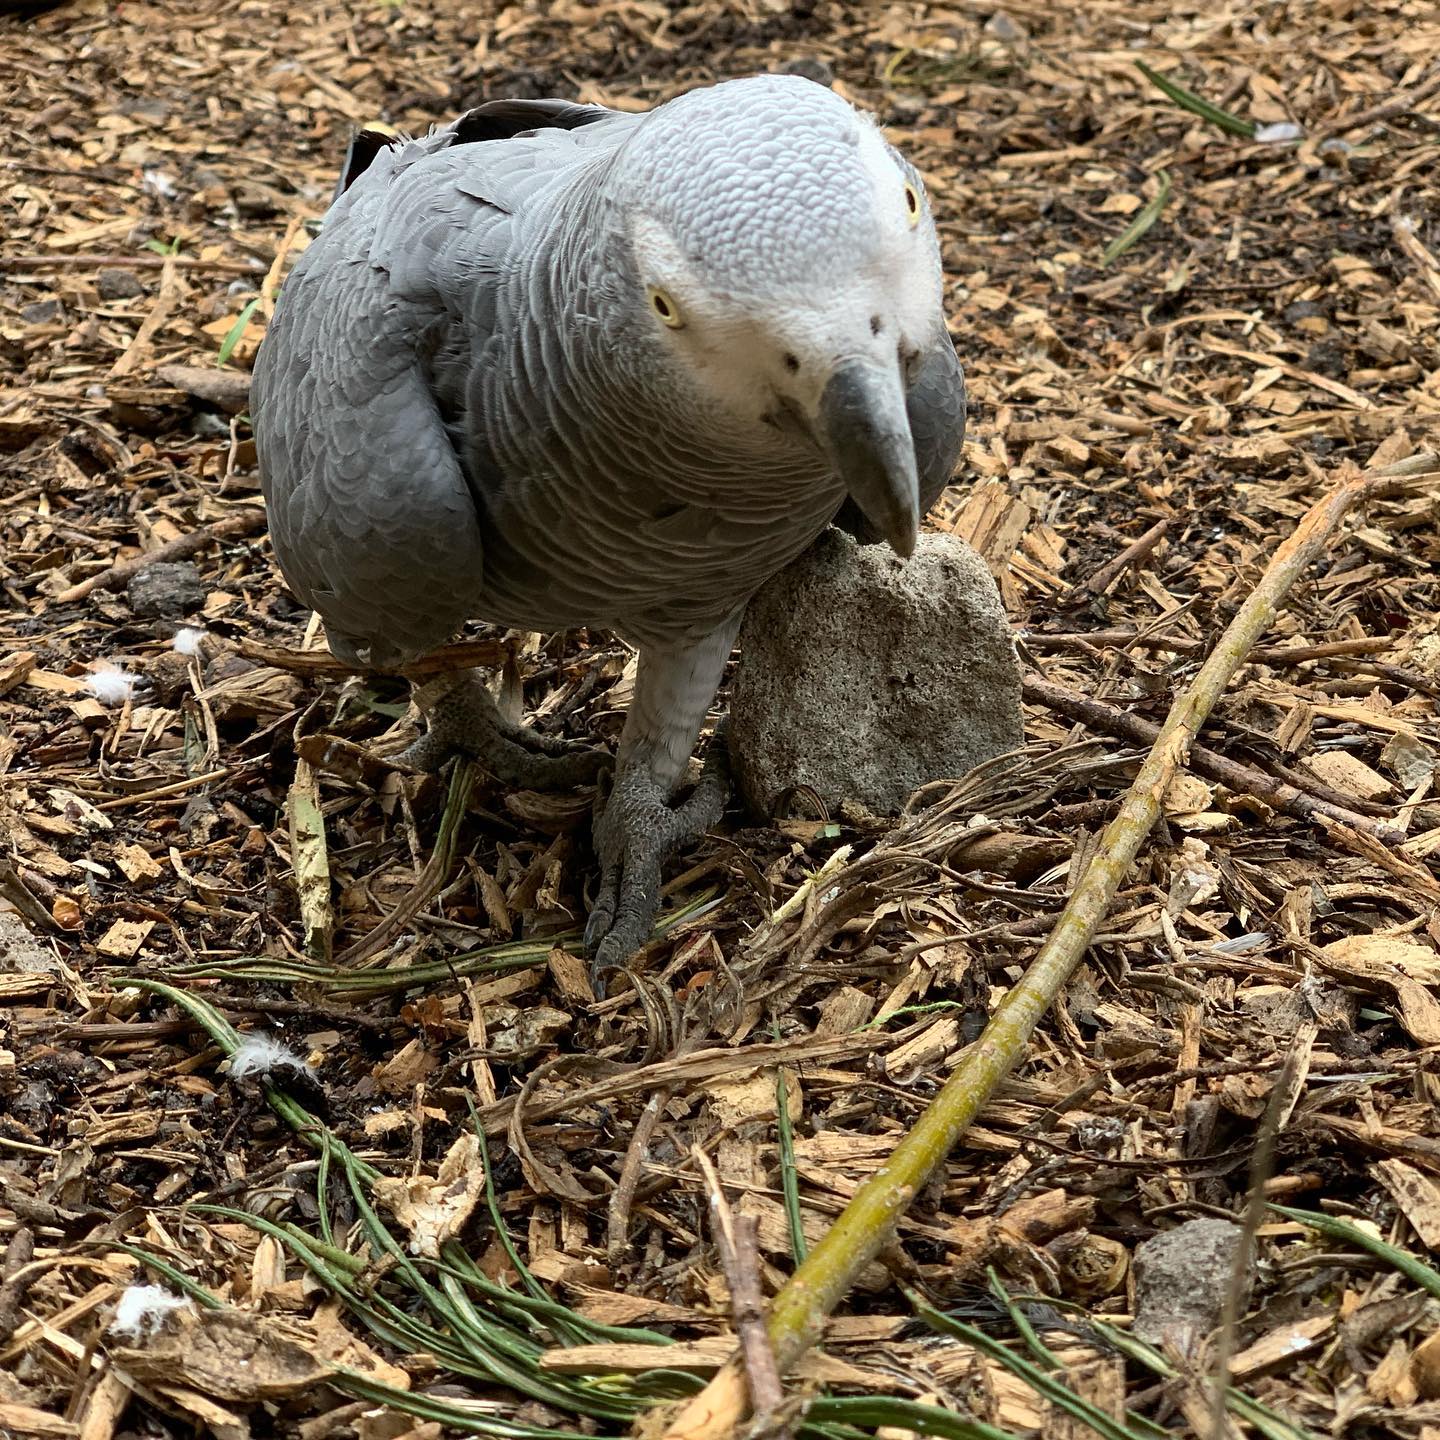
[161, 792]
[15, 890]
[271, 282]
[1397, 105]
[228, 390]
[244, 522]
[1104, 577]
[1362, 842]
[139, 348]
[617, 1210]
[130, 262]
[1402, 227]
[1394, 674]
[695, 1070]
[1184, 645]
[1303, 804]
[1277, 1112]
[735, 1239]
[430, 880]
[799, 1311]
[467, 655]
[14, 1280]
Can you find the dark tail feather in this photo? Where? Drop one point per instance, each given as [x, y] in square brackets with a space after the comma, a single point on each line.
[364, 146]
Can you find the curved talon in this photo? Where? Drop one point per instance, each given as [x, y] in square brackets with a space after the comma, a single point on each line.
[602, 913]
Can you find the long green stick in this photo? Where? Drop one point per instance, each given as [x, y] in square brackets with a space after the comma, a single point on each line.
[798, 1312]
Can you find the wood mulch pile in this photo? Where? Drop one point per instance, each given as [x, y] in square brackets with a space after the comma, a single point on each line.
[1144, 433]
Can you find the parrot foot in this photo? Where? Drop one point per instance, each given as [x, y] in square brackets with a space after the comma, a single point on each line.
[464, 720]
[634, 834]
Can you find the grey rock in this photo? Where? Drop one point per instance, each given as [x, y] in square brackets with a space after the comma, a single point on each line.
[1005, 28]
[20, 951]
[42, 312]
[119, 284]
[864, 676]
[166, 591]
[811, 67]
[1181, 1277]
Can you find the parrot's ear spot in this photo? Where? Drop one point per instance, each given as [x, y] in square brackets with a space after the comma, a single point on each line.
[665, 307]
[912, 204]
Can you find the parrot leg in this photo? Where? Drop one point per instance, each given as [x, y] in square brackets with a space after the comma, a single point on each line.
[634, 835]
[639, 826]
[464, 720]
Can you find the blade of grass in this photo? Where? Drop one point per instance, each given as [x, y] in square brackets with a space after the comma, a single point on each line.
[225, 1035]
[1270, 1424]
[490, 959]
[178, 1279]
[455, 1414]
[789, 1179]
[1141, 223]
[498, 1352]
[1044, 1356]
[1189, 100]
[876, 1411]
[479, 1346]
[1338, 1229]
[236, 333]
[1041, 1381]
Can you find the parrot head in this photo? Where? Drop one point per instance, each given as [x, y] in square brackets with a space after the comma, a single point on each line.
[789, 266]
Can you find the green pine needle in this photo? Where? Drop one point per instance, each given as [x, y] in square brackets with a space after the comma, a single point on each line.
[1189, 100]
[1140, 224]
[236, 332]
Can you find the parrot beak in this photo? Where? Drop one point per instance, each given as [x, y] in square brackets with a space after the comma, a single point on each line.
[866, 435]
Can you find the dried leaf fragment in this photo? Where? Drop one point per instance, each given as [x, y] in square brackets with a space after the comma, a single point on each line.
[310, 857]
[436, 1208]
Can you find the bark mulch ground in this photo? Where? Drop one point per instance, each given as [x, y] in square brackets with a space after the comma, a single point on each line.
[1178, 335]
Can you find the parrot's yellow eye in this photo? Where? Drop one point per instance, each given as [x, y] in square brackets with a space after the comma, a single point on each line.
[665, 307]
[912, 205]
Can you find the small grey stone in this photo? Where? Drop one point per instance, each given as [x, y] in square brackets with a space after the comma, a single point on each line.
[864, 676]
[42, 312]
[20, 952]
[118, 284]
[166, 591]
[1005, 28]
[1299, 310]
[146, 107]
[809, 67]
[1181, 1277]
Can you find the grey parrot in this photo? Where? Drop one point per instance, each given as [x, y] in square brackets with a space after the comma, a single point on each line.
[556, 366]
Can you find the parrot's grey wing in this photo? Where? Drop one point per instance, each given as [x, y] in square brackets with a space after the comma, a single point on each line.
[373, 519]
[935, 407]
[369, 512]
